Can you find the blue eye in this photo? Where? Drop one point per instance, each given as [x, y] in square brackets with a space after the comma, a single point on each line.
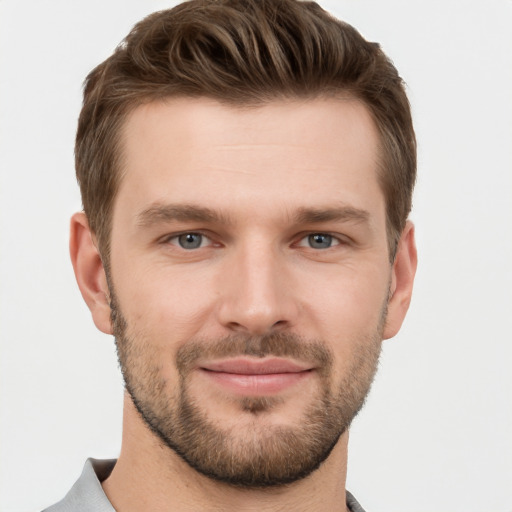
[321, 241]
[190, 240]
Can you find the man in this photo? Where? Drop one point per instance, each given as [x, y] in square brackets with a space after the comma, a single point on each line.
[246, 169]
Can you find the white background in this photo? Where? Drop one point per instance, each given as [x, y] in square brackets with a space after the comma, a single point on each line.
[436, 434]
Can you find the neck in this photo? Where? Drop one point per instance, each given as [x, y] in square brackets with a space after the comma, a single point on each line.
[151, 476]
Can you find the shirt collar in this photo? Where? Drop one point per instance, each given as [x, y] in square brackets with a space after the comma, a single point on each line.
[87, 493]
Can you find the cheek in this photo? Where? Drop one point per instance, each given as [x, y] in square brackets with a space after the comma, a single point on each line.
[348, 309]
[164, 301]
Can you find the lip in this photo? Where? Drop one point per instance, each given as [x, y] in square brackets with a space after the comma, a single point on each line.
[255, 377]
[251, 366]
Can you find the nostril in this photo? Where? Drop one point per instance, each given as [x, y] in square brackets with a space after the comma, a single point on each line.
[235, 326]
[257, 329]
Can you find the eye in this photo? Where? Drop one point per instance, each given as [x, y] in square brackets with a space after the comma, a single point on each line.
[319, 241]
[190, 241]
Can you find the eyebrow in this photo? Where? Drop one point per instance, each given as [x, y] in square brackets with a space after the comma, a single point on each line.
[191, 213]
[343, 213]
[179, 212]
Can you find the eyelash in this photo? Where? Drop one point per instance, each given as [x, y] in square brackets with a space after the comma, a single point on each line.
[310, 237]
[335, 240]
[169, 239]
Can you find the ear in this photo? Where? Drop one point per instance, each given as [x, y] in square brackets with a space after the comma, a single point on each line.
[402, 279]
[89, 272]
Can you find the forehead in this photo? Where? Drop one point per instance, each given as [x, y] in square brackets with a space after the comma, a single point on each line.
[298, 153]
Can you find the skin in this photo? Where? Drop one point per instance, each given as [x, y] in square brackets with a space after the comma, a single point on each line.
[255, 272]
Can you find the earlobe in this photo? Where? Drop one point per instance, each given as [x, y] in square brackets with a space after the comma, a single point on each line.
[89, 271]
[402, 280]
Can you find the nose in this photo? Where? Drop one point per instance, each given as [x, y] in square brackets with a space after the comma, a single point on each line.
[257, 292]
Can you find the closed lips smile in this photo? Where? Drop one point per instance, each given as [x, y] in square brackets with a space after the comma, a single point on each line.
[255, 377]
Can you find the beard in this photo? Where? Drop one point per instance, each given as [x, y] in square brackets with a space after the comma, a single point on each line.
[258, 454]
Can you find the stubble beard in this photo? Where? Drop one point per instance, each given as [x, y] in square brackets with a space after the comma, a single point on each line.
[260, 455]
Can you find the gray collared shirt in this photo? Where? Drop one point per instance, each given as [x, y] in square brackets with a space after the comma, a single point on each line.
[87, 494]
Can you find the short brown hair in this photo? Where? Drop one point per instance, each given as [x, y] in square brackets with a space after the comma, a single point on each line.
[241, 52]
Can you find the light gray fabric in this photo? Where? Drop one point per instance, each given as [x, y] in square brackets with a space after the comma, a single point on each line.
[87, 494]
[353, 504]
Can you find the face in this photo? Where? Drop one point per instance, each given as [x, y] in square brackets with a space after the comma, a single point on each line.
[249, 280]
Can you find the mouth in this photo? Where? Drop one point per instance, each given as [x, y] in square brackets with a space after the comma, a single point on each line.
[255, 377]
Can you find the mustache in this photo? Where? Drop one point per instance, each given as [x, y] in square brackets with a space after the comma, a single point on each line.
[275, 344]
